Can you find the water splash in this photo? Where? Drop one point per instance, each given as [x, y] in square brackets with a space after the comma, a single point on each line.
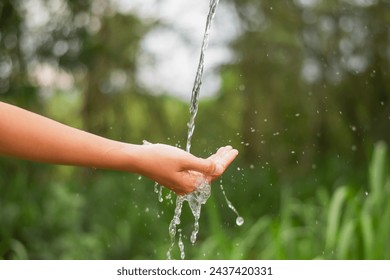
[181, 246]
[239, 220]
[174, 223]
[160, 194]
[155, 184]
[203, 191]
[159, 189]
[195, 200]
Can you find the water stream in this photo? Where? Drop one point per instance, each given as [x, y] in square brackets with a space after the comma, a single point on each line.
[199, 197]
[199, 74]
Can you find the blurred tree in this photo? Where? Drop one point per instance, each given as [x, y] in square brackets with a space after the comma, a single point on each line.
[14, 83]
[312, 77]
[307, 91]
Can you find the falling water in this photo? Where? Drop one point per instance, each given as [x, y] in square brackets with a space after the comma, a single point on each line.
[239, 219]
[199, 74]
[202, 193]
[195, 200]
[158, 189]
[199, 197]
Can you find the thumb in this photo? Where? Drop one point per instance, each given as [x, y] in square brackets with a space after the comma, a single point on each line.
[215, 165]
[204, 166]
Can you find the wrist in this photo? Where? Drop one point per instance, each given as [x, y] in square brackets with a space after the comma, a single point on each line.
[128, 158]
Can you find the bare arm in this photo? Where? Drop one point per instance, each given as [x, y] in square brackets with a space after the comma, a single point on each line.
[26, 135]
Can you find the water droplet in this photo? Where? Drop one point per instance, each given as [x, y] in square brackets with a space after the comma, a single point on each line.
[240, 221]
[160, 195]
[156, 187]
[181, 247]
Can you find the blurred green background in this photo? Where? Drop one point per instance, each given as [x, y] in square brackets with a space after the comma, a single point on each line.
[304, 97]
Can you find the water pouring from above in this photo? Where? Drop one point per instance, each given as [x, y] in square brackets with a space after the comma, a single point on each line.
[203, 190]
[196, 199]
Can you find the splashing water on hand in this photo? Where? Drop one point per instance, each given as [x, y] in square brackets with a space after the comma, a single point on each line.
[203, 190]
[195, 200]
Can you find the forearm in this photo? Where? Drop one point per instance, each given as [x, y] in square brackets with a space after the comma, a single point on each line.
[33, 137]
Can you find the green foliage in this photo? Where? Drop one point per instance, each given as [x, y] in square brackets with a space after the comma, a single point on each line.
[347, 224]
[305, 99]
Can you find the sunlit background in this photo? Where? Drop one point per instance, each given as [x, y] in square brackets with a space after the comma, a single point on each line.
[301, 88]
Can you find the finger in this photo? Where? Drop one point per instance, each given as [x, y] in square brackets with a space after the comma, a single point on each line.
[225, 160]
[216, 163]
[223, 150]
[205, 166]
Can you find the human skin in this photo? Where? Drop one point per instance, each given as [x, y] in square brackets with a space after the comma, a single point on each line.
[29, 136]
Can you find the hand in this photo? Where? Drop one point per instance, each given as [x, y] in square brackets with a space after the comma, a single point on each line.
[180, 171]
[52, 142]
